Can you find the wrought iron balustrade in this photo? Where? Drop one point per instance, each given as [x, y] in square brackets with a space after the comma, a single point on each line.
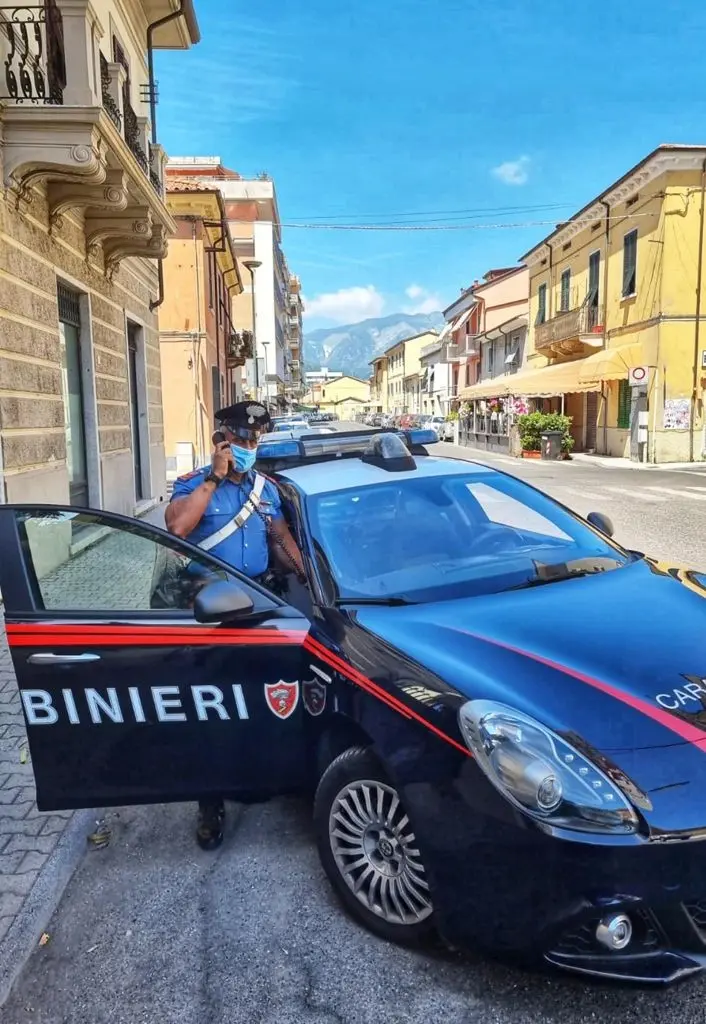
[32, 53]
[132, 137]
[109, 105]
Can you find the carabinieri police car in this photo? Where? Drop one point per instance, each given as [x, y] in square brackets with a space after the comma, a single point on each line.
[501, 711]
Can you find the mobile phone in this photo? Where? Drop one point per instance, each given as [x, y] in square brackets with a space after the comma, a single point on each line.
[218, 438]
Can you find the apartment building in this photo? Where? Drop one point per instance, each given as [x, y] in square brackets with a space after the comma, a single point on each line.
[379, 396]
[403, 371]
[254, 222]
[437, 387]
[294, 388]
[345, 396]
[84, 224]
[202, 351]
[500, 318]
[615, 334]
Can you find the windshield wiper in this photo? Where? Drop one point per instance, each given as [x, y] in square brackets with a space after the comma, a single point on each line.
[558, 572]
[390, 602]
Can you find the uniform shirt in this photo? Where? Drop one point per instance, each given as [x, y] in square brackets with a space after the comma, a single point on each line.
[246, 549]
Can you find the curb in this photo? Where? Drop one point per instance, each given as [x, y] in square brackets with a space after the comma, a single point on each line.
[39, 906]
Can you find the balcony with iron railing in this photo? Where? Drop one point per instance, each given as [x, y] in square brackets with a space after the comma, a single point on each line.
[569, 330]
[76, 132]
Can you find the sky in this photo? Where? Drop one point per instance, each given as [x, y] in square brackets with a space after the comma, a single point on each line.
[497, 118]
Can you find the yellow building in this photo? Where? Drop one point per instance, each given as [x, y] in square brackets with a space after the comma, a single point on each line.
[378, 385]
[619, 288]
[201, 350]
[403, 371]
[345, 397]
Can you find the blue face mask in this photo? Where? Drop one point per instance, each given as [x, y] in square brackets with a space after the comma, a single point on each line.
[244, 458]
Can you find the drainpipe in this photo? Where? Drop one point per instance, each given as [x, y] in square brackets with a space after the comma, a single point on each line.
[180, 12]
[697, 326]
[605, 392]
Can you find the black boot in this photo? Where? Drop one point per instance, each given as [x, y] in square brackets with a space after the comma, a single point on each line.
[209, 831]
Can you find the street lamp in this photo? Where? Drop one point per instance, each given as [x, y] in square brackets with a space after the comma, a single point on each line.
[251, 266]
[267, 383]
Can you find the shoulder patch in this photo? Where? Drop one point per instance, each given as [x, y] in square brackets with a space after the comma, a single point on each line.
[190, 476]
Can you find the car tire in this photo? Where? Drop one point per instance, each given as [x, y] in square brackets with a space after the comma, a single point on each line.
[368, 849]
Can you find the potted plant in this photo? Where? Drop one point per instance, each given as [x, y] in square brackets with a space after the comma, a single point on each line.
[532, 425]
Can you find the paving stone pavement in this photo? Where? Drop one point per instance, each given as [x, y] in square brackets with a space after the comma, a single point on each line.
[39, 851]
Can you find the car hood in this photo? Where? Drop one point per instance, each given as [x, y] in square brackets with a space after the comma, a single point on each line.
[618, 657]
[615, 662]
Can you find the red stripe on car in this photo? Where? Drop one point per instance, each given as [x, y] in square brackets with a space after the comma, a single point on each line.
[352, 674]
[688, 732]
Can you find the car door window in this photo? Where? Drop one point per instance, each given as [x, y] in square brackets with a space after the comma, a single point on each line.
[85, 562]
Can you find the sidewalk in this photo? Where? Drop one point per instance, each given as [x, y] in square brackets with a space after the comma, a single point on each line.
[604, 461]
[609, 462]
[38, 852]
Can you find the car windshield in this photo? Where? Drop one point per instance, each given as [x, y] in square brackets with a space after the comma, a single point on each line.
[430, 538]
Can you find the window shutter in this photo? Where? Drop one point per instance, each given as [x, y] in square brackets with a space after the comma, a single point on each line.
[624, 403]
[630, 263]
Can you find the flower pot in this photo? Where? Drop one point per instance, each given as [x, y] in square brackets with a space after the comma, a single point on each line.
[531, 455]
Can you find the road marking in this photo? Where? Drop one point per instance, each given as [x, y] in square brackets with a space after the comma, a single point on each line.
[651, 499]
[582, 493]
[674, 493]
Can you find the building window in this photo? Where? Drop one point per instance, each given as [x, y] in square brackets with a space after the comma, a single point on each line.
[630, 263]
[565, 295]
[137, 410]
[72, 393]
[216, 389]
[624, 402]
[541, 304]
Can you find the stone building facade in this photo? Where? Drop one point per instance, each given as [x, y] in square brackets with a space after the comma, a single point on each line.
[83, 224]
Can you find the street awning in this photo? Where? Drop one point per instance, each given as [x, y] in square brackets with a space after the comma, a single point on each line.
[460, 320]
[560, 379]
[575, 375]
[612, 363]
[495, 388]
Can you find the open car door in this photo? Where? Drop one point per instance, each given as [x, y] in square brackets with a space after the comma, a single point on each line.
[148, 670]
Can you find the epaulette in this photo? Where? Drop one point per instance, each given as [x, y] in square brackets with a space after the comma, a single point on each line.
[189, 476]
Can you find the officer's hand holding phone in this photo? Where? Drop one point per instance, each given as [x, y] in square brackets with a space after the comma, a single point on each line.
[222, 460]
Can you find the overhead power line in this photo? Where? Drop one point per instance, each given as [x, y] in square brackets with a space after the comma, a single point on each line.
[451, 227]
[470, 212]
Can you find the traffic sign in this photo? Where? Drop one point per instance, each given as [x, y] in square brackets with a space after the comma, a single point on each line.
[638, 375]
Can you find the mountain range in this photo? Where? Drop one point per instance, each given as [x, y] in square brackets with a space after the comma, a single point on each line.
[350, 348]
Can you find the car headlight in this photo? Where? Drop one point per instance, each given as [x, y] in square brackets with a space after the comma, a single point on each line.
[541, 773]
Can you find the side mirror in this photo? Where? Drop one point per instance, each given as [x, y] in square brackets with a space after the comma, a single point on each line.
[219, 602]
[601, 522]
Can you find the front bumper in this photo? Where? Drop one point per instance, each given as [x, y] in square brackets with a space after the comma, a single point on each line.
[501, 884]
[669, 944]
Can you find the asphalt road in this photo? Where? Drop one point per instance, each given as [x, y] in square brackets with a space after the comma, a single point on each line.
[152, 929]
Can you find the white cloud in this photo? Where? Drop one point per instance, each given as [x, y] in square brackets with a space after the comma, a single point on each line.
[423, 301]
[347, 305]
[513, 172]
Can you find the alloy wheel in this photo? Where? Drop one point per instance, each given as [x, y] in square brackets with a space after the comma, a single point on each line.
[375, 851]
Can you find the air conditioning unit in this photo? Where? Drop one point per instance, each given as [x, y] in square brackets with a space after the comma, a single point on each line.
[703, 360]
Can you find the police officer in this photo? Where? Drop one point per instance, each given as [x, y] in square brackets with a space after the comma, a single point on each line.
[228, 509]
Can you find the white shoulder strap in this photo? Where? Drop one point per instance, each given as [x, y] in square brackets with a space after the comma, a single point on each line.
[252, 502]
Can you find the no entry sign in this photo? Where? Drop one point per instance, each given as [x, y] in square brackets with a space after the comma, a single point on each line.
[637, 375]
